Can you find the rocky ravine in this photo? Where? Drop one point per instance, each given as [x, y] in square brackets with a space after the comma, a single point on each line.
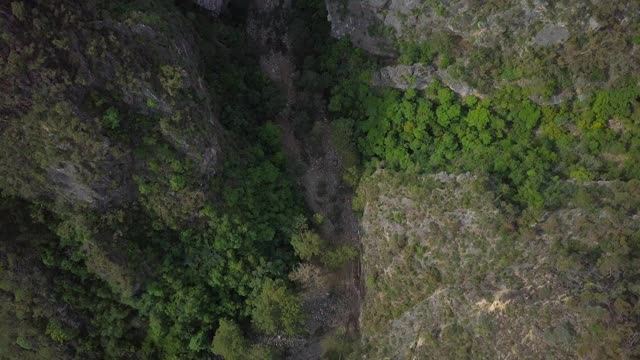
[319, 169]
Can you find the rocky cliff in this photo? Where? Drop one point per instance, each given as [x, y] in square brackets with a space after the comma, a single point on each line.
[552, 48]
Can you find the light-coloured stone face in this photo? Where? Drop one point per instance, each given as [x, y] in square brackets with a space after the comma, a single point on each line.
[419, 76]
[514, 29]
[355, 19]
[551, 35]
[214, 6]
[594, 24]
[487, 25]
[404, 77]
[71, 186]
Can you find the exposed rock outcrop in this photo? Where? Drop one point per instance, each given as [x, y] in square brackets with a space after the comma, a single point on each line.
[354, 19]
[373, 24]
[551, 35]
[215, 6]
[494, 38]
[416, 76]
[419, 76]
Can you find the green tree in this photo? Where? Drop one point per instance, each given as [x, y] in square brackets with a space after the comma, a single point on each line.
[59, 332]
[229, 342]
[277, 309]
[306, 243]
[264, 352]
[339, 256]
[111, 119]
[17, 9]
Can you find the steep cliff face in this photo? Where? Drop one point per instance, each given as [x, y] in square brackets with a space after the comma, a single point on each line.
[83, 85]
[548, 47]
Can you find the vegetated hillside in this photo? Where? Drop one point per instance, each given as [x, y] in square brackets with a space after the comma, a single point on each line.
[22, 283]
[449, 275]
[145, 206]
[553, 49]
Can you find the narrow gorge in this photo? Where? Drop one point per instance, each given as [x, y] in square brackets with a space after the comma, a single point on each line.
[319, 179]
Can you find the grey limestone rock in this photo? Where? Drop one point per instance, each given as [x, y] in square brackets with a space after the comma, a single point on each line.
[416, 76]
[215, 6]
[551, 35]
[419, 76]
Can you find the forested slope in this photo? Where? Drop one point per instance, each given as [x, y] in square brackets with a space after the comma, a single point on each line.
[145, 201]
